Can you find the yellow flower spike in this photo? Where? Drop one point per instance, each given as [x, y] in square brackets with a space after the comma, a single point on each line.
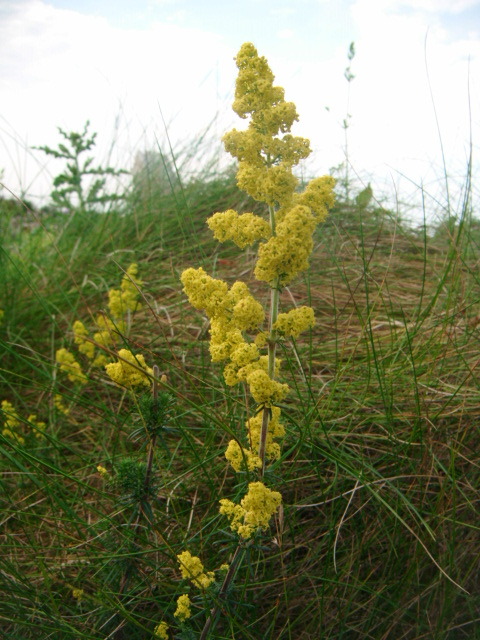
[191, 568]
[266, 152]
[161, 631]
[72, 368]
[183, 608]
[102, 471]
[130, 370]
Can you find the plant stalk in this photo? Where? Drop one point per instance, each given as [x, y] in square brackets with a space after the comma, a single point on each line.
[151, 450]
[232, 570]
[272, 345]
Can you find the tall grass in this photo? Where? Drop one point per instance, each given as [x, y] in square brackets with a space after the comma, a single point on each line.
[379, 533]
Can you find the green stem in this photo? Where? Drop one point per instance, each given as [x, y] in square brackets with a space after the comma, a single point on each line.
[272, 346]
[232, 570]
[151, 451]
[148, 474]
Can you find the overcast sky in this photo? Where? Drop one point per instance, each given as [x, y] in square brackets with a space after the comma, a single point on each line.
[123, 64]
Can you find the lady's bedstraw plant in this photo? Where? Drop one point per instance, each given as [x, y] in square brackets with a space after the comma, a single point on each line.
[267, 153]
[243, 335]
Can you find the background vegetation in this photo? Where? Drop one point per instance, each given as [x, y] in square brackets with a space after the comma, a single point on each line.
[379, 533]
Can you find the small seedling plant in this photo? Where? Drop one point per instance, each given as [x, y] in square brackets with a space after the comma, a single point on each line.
[80, 187]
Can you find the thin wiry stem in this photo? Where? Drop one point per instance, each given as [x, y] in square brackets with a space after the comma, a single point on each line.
[232, 570]
[272, 346]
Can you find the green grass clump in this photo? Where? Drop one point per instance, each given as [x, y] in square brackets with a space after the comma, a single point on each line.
[378, 535]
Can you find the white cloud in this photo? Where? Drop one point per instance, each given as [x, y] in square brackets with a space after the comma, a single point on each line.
[436, 6]
[283, 12]
[60, 67]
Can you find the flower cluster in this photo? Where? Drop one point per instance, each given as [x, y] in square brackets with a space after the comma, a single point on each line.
[161, 631]
[183, 608]
[295, 322]
[243, 229]
[192, 569]
[12, 424]
[38, 426]
[243, 335]
[59, 405]
[266, 159]
[267, 153]
[120, 302]
[254, 511]
[70, 366]
[125, 299]
[78, 594]
[102, 471]
[233, 311]
[80, 334]
[130, 370]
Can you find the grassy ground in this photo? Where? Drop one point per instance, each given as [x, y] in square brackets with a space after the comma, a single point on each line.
[379, 475]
